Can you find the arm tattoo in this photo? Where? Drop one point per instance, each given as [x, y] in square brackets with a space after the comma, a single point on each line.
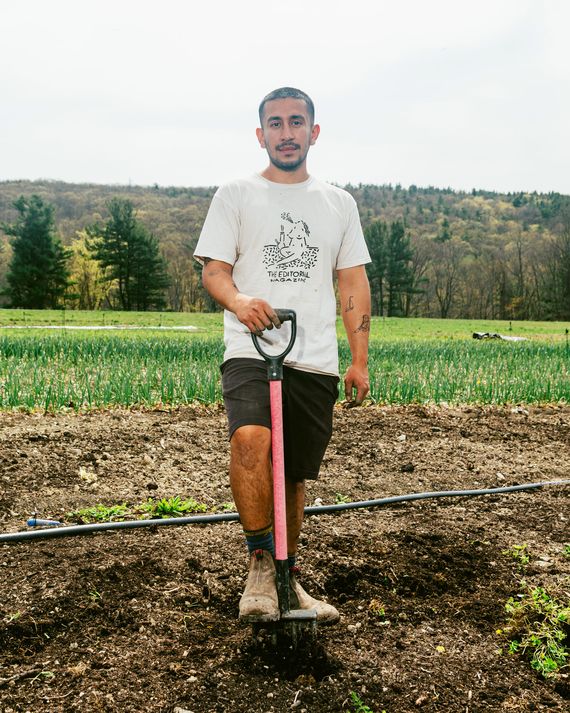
[215, 271]
[364, 325]
[349, 304]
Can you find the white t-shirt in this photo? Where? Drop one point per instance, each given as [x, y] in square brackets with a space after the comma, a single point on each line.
[285, 242]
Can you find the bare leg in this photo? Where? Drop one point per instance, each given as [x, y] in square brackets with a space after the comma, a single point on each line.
[295, 494]
[251, 477]
[251, 481]
[252, 484]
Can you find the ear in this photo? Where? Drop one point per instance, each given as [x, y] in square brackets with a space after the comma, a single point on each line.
[260, 137]
[315, 131]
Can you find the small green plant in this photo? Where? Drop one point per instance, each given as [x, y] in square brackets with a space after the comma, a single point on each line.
[98, 513]
[12, 616]
[538, 626]
[227, 507]
[358, 705]
[566, 550]
[172, 507]
[520, 554]
[339, 498]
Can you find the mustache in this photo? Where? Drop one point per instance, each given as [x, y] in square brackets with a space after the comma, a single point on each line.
[288, 145]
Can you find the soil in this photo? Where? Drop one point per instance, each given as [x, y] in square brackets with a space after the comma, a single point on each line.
[146, 620]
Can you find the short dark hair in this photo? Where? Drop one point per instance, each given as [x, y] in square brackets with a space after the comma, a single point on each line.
[288, 93]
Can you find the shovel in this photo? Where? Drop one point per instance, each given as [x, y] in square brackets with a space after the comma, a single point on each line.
[294, 624]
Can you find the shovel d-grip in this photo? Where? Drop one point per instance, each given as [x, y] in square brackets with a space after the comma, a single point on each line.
[298, 619]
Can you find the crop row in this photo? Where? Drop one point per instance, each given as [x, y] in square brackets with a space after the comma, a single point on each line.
[57, 371]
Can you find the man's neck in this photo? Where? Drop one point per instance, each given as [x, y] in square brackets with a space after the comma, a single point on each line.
[276, 175]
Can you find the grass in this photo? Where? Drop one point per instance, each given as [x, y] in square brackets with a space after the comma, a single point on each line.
[388, 328]
[55, 371]
[204, 322]
[421, 329]
[465, 371]
[411, 361]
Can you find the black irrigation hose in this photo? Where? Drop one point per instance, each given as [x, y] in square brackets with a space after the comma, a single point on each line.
[71, 530]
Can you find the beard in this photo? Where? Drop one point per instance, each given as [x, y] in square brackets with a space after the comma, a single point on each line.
[287, 165]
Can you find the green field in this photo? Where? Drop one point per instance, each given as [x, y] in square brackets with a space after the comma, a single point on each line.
[18, 318]
[388, 328]
[411, 361]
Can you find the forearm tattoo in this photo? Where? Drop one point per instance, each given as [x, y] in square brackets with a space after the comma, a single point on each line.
[350, 304]
[364, 325]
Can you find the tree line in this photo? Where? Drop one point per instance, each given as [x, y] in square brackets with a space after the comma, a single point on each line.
[117, 265]
[435, 252]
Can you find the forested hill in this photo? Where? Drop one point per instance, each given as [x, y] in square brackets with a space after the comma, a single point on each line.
[479, 254]
[172, 214]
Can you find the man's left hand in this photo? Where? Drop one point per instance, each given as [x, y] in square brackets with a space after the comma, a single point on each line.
[356, 380]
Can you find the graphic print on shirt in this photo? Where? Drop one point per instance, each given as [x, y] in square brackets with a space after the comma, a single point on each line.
[290, 258]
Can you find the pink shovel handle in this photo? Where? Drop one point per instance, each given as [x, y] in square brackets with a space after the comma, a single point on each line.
[275, 377]
[279, 507]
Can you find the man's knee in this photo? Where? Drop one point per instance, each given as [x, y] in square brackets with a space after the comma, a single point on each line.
[251, 446]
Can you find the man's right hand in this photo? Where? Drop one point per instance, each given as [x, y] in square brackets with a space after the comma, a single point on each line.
[255, 313]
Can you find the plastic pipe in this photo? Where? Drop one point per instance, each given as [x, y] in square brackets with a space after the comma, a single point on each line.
[72, 530]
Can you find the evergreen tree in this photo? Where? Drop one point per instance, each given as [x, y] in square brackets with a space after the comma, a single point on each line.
[399, 276]
[131, 258]
[149, 276]
[38, 275]
[376, 235]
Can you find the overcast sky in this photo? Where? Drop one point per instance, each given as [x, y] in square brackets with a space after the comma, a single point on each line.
[442, 93]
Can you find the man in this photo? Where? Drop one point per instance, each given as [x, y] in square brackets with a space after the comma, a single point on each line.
[275, 240]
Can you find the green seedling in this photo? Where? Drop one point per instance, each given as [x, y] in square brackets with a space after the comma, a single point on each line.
[538, 626]
[227, 507]
[12, 616]
[172, 507]
[339, 498]
[566, 550]
[98, 513]
[359, 706]
[520, 554]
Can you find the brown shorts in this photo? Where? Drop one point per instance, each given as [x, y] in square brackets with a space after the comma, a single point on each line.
[308, 401]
